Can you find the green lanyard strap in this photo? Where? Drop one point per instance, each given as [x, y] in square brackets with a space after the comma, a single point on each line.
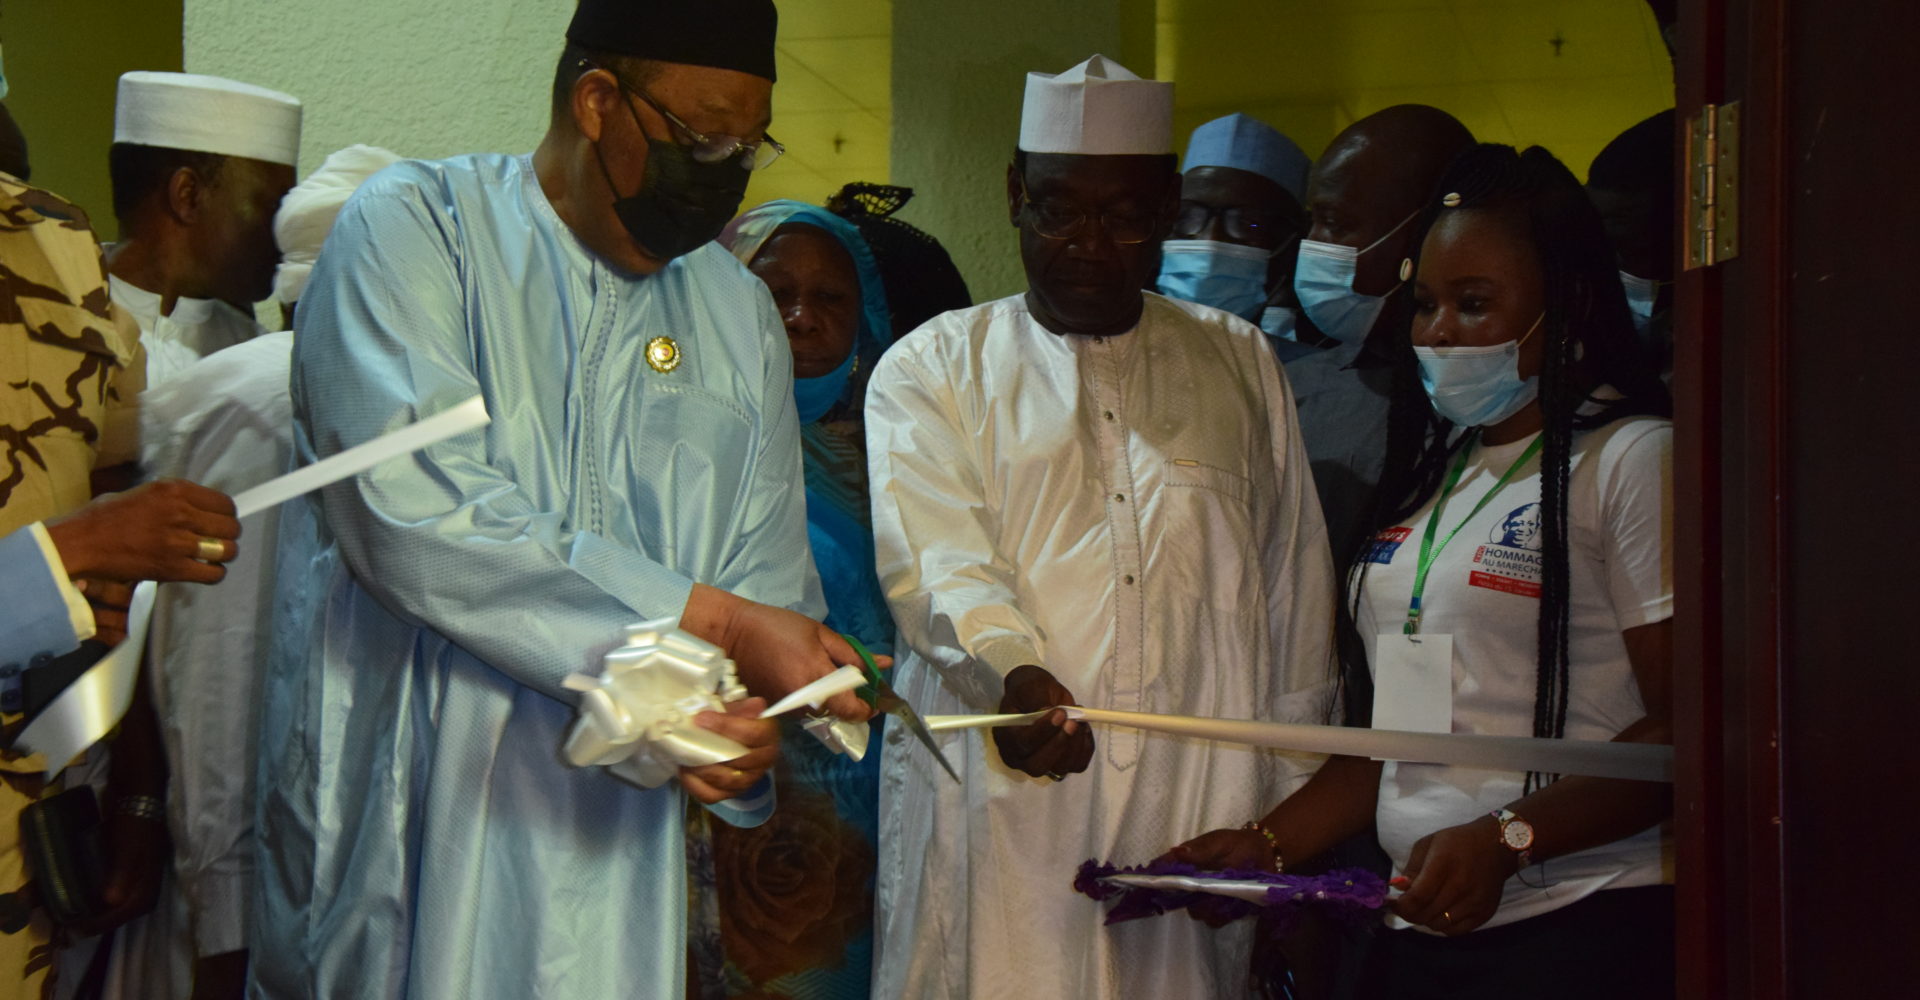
[1428, 550]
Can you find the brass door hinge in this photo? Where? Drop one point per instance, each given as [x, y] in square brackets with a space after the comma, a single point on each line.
[1713, 185]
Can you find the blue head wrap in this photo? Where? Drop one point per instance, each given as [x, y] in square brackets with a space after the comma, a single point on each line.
[751, 231]
[1252, 145]
[834, 462]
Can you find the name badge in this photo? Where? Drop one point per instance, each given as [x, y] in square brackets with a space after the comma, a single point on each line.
[1413, 682]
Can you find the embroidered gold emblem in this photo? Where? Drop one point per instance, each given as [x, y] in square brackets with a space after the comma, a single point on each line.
[663, 355]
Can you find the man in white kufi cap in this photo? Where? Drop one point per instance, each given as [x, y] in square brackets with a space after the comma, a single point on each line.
[198, 167]
[226, 421]
[1084, 494]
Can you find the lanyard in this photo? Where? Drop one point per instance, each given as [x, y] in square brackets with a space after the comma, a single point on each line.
[1428, 550]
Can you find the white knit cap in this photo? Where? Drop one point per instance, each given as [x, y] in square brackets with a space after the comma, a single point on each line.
[1097, 107]
[207, 114]
[307, 212]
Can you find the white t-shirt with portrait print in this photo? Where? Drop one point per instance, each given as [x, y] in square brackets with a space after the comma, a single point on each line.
[1484, 590]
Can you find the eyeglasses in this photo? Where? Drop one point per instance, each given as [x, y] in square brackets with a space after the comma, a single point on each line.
[704, 147]
[1056, 222]
[1260, 228]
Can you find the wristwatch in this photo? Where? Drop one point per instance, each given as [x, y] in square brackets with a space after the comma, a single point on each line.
[1516, 835]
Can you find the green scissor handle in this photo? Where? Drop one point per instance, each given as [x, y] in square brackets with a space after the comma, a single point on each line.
[870, 692]
[876, 692]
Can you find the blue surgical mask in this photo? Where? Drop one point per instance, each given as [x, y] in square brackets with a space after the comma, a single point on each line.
[1477, 386]
[1323, 282]
[1640, 295]
[1226, 276]
[1279, 323]
[813, 397]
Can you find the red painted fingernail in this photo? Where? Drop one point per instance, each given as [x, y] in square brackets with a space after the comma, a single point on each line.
[1399, 882]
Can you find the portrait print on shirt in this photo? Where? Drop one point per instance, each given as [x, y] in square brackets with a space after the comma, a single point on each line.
[1510, 561]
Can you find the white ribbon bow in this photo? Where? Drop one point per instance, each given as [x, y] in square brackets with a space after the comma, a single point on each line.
[636, 716]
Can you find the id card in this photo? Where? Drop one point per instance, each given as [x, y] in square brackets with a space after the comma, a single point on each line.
[1413, 682]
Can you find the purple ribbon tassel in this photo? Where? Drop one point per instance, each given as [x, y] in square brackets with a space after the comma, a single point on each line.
[1349, 894]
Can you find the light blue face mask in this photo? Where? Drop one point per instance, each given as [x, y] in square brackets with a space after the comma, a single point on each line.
[1641, 293]
[813, 397]
[1226, 276]
[1323, 282]
[1477, 386]
[1279, 323]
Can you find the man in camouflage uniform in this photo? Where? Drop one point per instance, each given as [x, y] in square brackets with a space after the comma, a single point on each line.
[73, 369]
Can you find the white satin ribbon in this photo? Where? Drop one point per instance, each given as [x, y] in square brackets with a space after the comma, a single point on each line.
[1251, 891]
[816, 693]
[636, 715]
[1635, 761]
[94, 703]
[837, 735]
[468, 416]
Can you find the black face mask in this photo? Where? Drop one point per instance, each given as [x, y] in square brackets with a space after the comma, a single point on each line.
[682, 204]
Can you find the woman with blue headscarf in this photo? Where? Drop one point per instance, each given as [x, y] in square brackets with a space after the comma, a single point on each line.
[827, 286]
[795, 895]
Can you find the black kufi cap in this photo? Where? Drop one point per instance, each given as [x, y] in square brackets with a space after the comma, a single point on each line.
[724, 34]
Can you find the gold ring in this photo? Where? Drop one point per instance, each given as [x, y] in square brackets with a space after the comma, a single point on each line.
[1446, 915]
[738, 774]
[211, 550]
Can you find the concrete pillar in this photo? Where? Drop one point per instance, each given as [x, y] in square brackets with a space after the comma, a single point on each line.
[959, 70]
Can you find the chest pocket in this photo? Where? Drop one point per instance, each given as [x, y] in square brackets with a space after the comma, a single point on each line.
[1207, 545]
[686, 450]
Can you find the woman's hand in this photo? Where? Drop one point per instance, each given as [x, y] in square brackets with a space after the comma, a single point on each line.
[1221, 850]
[1455, 876]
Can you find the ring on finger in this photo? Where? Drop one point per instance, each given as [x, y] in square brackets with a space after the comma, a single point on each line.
[1446, 915]
[210, 550]
[737, 773]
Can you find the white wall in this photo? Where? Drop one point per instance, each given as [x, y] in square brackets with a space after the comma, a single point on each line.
[424, 78]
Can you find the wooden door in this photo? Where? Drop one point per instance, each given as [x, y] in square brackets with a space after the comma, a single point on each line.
[1796, 470]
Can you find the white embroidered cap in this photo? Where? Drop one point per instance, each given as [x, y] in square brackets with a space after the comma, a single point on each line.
[207, 114]
[1098, 107]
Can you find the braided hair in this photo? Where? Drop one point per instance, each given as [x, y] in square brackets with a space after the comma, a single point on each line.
[920, 277]
[1590, 343]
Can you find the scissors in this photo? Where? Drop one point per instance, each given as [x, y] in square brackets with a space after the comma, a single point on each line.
[879, 694]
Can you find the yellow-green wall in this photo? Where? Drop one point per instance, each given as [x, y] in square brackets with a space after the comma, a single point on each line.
[63, 60]
[1312, 67]
[436, 77]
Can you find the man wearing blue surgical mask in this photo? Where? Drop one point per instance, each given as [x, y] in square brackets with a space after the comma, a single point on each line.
[1631, 183]
[1362, 197]
[1240, 219]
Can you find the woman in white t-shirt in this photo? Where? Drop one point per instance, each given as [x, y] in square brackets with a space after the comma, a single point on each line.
[1520, 585]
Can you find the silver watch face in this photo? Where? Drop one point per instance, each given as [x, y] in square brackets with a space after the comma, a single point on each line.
[1517, 834]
